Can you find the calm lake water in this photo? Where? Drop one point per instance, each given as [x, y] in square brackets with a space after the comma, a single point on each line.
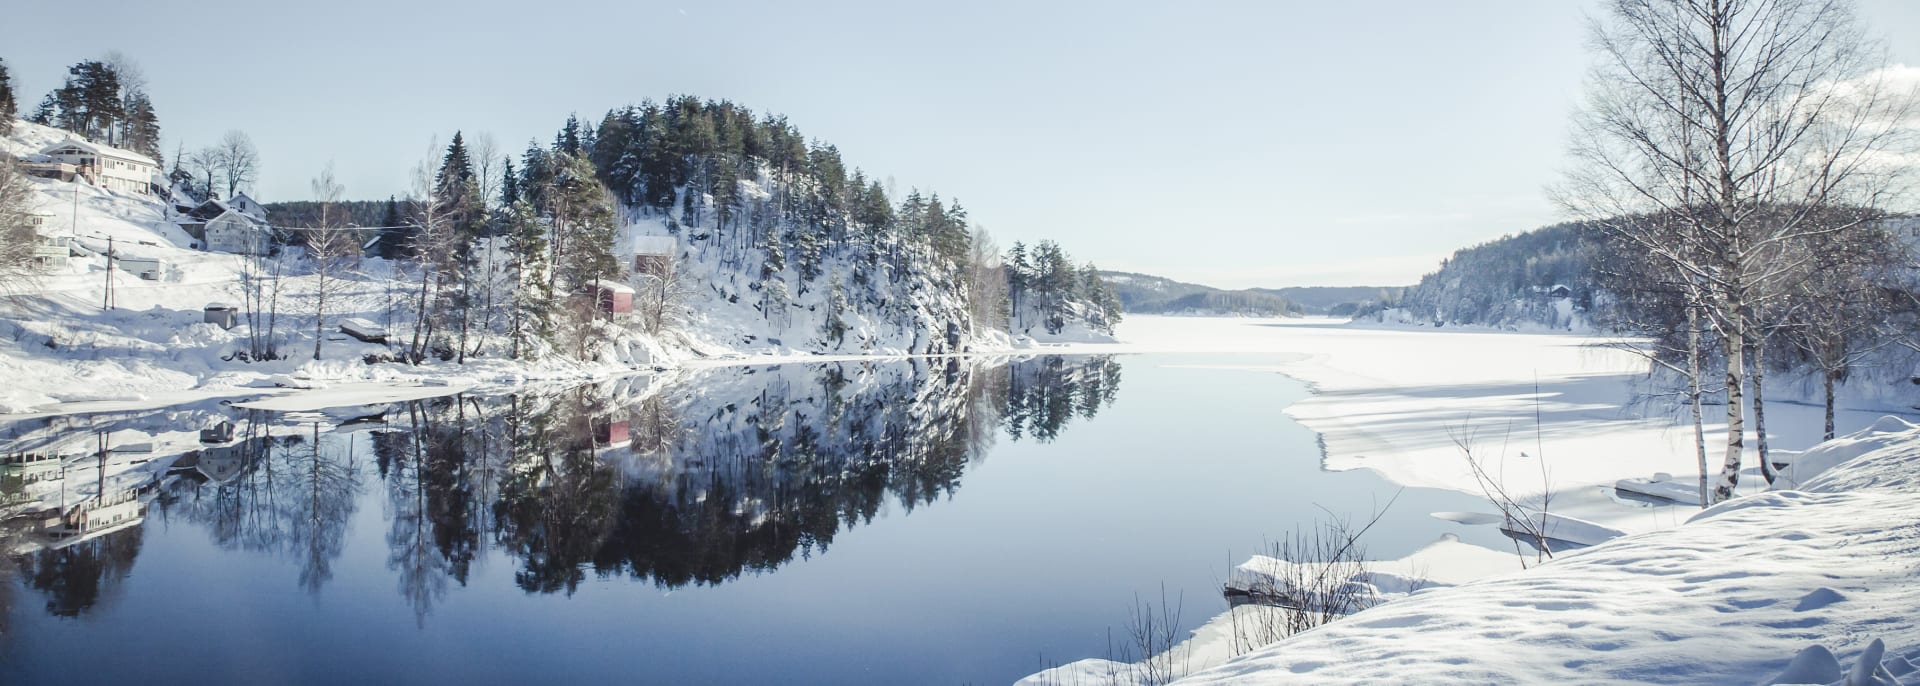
[863, 522]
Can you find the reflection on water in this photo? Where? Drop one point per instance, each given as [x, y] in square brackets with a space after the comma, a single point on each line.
[696, 483]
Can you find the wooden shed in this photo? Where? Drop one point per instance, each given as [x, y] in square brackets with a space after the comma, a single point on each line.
[613, 297]
[221, 314]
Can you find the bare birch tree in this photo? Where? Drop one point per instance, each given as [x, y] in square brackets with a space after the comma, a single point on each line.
[17, 235]
[987, 300]
[330, 244]
[435, 243]
[1715, 134]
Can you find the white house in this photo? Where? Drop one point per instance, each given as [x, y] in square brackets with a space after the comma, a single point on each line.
[107, 167]
[245, 205]
[235, 232]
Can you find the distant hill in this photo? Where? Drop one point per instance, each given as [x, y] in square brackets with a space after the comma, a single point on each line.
[1337, 301]
[1515, 280]
[1149, 294]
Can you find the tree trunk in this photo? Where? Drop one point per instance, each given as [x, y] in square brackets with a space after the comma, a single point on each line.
[1736, 408]
[1699, 415]
[319, 314]
[1760, 407]
[1827, 378]
[416, 349]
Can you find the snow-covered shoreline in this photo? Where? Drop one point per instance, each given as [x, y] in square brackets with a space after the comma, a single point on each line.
[1731, 596]
[1395, 399]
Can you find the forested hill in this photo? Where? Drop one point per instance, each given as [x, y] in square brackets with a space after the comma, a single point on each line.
[1543, 277]
[733, 230]
[1148, 294]
[1338, 301]
[795, 243]
[302, 213]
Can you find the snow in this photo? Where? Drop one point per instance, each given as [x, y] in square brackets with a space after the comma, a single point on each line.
[1737, 595]
[1395, 400]
[1445, 562]
[1731, 596]
[1556, 527]
[1662, 486]
[98, 149]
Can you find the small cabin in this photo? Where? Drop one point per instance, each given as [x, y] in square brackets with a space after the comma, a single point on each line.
[1559, 291]
[609, 433]
[363, 330]
[612, 297]
[652, 255]
[221, 315]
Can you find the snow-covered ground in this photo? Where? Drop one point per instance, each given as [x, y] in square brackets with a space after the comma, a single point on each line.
[1729, 597]
[1764, 576]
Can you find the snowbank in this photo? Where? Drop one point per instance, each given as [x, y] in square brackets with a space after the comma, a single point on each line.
[1733, 596]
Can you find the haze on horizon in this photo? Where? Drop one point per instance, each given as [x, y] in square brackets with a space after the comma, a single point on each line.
[1232, 144]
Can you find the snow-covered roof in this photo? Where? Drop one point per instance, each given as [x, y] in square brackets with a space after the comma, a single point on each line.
[652, 245]
[244, 218]
[101, 150]
[612, 286]
[248, 206]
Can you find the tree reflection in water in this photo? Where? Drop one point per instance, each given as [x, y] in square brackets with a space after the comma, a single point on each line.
[735, 471]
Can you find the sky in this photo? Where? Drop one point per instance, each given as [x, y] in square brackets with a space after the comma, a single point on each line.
[1231, 143]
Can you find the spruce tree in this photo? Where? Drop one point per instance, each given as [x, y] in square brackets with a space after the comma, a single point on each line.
[44, 114]
[140, 129]
[396, 234]
[526, 240]
[8, 107]
[509, 183]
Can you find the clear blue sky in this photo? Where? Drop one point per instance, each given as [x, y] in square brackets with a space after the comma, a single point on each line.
[1247, 143]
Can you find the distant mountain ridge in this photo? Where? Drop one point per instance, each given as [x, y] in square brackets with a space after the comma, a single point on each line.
[1149, 294]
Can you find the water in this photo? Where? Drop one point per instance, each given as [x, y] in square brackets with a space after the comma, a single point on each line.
[861, 522]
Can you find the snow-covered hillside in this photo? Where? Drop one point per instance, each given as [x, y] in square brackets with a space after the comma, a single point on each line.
[745, 278]
[147, 342]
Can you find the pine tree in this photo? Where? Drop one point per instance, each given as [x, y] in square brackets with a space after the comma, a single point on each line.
[536, 174]
[568, 140]
[45, 112]
[509, 184]
[140, 129]
[89, 103]
[460, 207]
[526, 240]
[396, 234]
[8, 107]
[456, 188]
[582, 225]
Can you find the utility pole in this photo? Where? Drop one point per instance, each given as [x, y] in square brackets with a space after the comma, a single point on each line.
[107, 300]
